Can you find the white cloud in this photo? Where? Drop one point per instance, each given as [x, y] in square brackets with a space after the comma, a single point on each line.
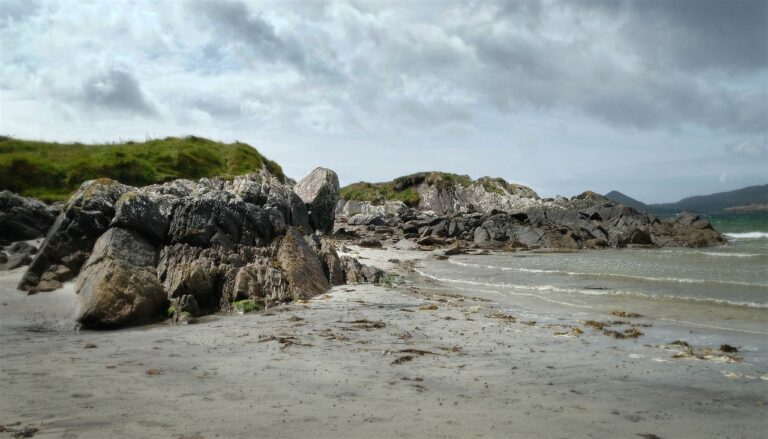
[508, 88]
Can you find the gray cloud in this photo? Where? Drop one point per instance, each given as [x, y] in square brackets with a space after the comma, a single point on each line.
[750, 148]
[16, 10]
[519, 81]
[117, 90]
[700, 34]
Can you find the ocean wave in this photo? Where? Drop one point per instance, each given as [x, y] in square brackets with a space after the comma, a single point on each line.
[696, 252]
[733, 255]
[615, 275]
[747, 235]
[599, 292]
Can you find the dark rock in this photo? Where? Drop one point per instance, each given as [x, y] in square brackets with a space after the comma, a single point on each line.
[219, 219]
[185, 304]
[187, 270]
[69, 242]
[137, 212]
[431, 240]
[405, 244]
[366, 219]
[301, 267]
[320, 192]
[454, 249]
[23, 218]
[355, 272]
[331, 262]
[411, 227]
[261, 282]
[635, 237]
[370, 242]
[283, 200]
[16, 255]
[118, 285]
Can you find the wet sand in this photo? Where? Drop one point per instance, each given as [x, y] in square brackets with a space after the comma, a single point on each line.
[361, 361]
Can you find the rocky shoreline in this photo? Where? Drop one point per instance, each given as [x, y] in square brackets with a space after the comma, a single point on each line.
[183, 249]
[586, 221]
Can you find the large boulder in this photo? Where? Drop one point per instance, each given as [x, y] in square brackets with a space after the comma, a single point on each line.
[255, 281]
[188, 270]
[329, 258]
[136, 211]
[357, 273]
[24, 218]
[85, 217]
[220, 219]
[118, 285]
[320, 191]
[301, 267]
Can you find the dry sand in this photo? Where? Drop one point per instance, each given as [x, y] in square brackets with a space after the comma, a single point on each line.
[361, 361]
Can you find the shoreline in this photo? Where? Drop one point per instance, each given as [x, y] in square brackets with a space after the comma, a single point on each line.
[360, 360]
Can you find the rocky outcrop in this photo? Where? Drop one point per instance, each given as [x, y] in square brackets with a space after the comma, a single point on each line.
[85, 217]
[196, 246]
[320, 192]
[357, 273]
[118, 285]
[301, 266]
[588, 220]
[23, 218]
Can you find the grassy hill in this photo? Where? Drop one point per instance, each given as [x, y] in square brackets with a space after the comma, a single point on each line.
[402, 188]
[713, 203]
[628, 201]
[52, 171]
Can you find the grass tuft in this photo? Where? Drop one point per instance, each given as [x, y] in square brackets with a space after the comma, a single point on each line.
[52, 171]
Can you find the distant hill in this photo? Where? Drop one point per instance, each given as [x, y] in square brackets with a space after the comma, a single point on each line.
[736, 200]
[626, 200]
[51, 171]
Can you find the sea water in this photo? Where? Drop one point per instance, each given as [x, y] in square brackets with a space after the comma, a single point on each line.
[718, 293]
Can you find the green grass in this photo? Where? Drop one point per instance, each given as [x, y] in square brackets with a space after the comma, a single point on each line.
[402, 188]
[52, 171]
[246, 306]
[492, 185]
[377, 193]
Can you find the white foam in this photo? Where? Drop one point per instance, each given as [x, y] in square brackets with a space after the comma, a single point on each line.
[747, 235]
[591, 292]
[733, 255]
[619, 275]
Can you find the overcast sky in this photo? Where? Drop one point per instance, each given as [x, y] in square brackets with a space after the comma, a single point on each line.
[658, 99]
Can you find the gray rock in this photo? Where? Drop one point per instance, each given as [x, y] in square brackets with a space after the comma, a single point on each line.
[356, 273]
[116, 287]
[23, 218]
[114, 294]
[406, 244]
[261, 282]
[137, 212]
[320, 192]
[331, 262]
[16, 255]
[370, 243]
[187, 270]
[294, 211]
[185, 304]
[366, 219]
[301, 267]
[85, 217]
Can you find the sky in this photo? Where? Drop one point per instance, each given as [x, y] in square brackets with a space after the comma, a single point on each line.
[656, 99]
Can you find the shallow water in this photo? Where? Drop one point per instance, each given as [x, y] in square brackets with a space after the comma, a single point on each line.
[709, 296]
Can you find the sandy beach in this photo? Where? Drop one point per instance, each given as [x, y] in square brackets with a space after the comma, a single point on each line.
[363, 360]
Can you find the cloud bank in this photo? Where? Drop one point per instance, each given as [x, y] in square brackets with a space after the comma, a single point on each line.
[655, 98]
